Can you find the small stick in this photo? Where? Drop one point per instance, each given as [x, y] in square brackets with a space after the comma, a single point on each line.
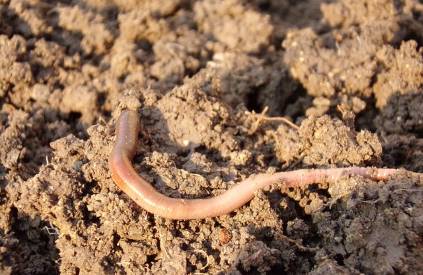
[154, 202]
[263, 117]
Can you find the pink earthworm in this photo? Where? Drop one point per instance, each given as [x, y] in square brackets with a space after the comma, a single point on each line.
[146, 196]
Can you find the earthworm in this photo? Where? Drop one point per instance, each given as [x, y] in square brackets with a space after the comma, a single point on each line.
[146, 196]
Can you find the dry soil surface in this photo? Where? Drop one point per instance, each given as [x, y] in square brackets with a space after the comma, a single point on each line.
[349, 73]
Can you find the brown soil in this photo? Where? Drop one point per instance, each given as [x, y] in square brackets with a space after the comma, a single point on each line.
[348, 72]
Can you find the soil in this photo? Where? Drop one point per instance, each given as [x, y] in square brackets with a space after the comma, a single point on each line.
[208, 75]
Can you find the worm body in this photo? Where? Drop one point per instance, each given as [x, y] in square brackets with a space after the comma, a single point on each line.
[144, 194]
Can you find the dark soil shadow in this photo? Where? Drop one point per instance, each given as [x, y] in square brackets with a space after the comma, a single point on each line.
[28, 246]
[400, 124]
[361, 220]
[348, 229]
[10, 18]
[289, 14]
